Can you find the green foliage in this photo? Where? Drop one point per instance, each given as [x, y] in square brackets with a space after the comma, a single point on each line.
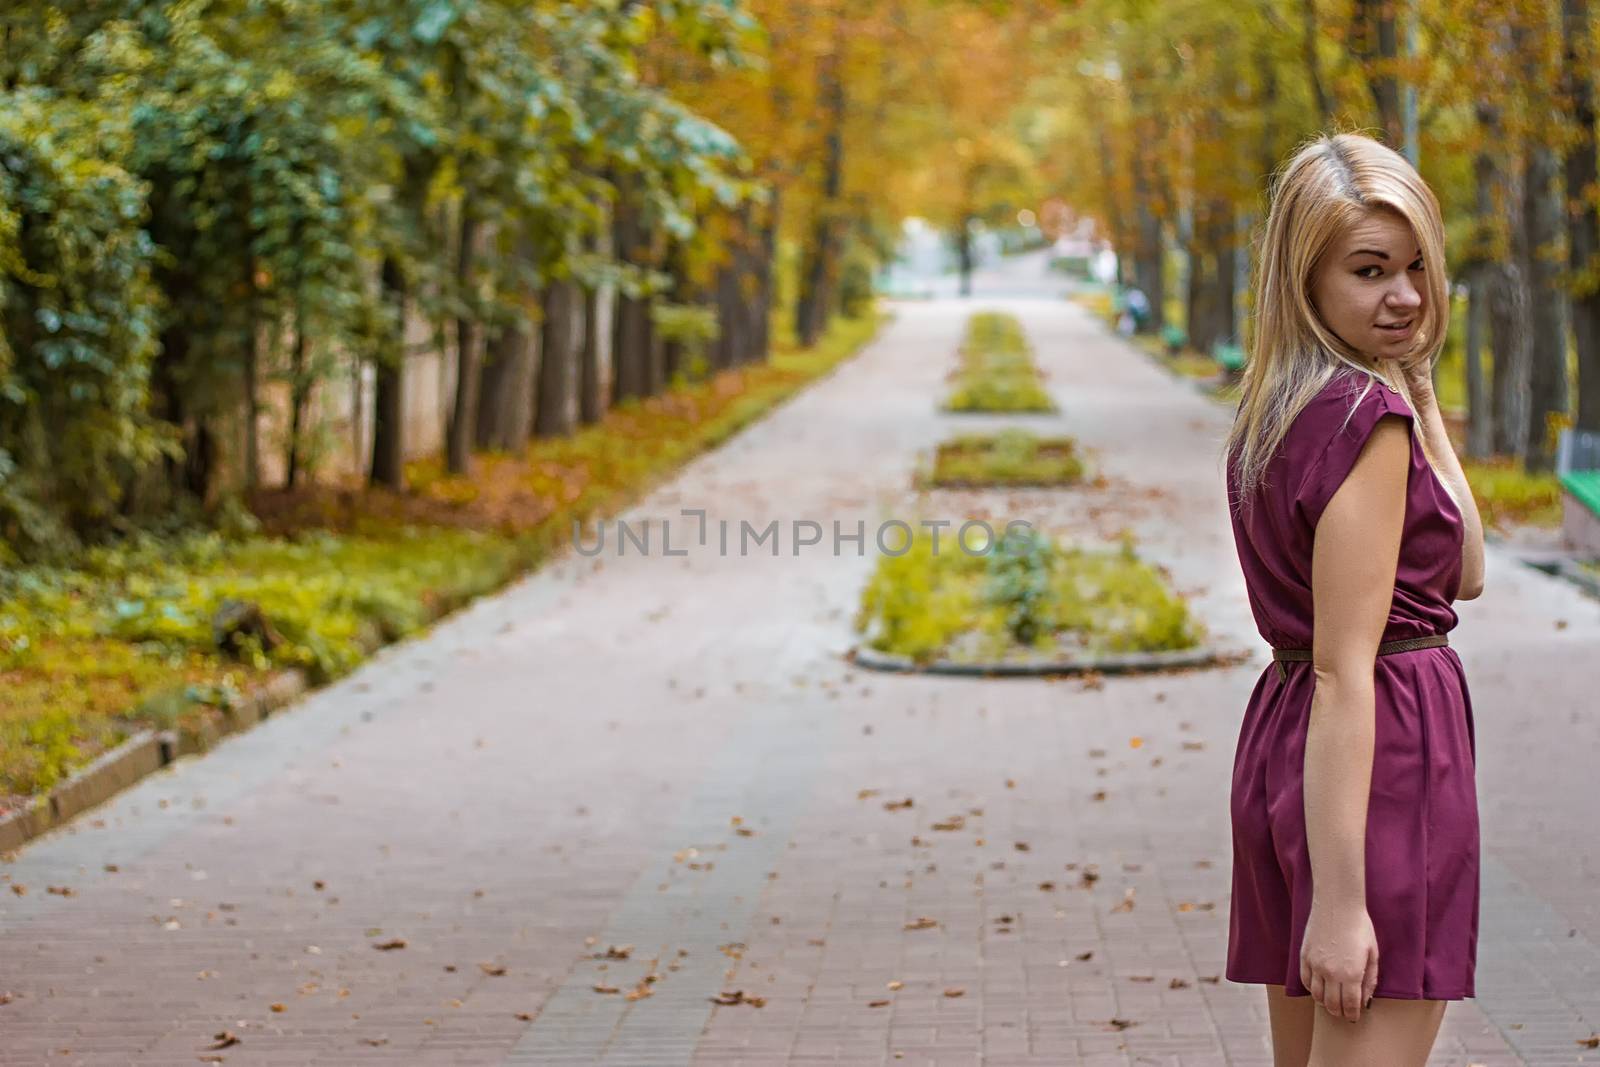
[997, 371]
[231, 175]
[1027, 596]
[1011, 457]
[77, 318]
[1019, 582]
[694, 326]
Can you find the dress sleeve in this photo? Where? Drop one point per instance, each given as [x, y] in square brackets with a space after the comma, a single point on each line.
[1344, 444]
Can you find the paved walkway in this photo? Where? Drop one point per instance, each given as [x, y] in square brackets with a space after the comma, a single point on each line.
[665, 760]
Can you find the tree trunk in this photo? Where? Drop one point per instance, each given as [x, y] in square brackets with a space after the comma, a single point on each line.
[462, 431]
[299, 394]
[1377, 45]
[1583, 224]
[504, 421]
[554, 415]
[1485, 270]
[630, 351]
[252, 372]
[591, 399]
[1547, 364]
[388, 451]
[1480, 411]
[1308, 43]
[1147, 266]
[815, 305]
[766, 270]
[673, 353]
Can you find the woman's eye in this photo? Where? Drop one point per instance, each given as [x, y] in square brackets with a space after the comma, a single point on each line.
[1362, 273]
[1417, 265]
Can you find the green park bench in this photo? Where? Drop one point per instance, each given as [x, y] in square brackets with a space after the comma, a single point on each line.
[1578, 468]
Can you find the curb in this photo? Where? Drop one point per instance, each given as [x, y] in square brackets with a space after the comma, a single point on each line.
[141, 755]
[1121, 663]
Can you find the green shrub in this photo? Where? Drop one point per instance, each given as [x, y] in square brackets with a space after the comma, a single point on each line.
[997, 372]
[1011, 457]
[1026, 595]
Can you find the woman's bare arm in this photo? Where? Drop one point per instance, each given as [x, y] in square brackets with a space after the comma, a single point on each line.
[1354, 556]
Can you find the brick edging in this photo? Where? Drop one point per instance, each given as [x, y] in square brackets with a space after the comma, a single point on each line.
[1117, 663]
[140, 755]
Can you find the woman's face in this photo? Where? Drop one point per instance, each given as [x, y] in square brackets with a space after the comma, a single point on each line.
[1368, 286]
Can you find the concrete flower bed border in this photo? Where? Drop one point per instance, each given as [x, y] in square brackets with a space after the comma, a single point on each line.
[1111, 663]
[147, 752]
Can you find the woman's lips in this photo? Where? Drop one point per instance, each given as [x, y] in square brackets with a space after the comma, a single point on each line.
[1398, 331]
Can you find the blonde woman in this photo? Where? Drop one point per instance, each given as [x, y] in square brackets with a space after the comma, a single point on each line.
[1355, 824]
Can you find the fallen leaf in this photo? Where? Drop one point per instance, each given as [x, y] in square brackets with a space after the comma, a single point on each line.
[1141, 978]
[602, 988]
[1085, 956]
[1177, 983]
[375, 1042]
[224, 1039]
[61, 891]
[877, 1003]
[1135, 742]
[897, 805]
[1045, 887]
[1194, 746]
[896, 984]
[1126, 904]
[6, 998]
[390, 946]
[1592, 1041]
[525, 1016]
[955, 822]
[864, 794]
[1090, 877]
[955, 991]
[493, 970]
[1211, 979]
[1120, 1024]
[729, 998]
[922, 923]
[19, 889]
[1098, 795]
[615, 952]
[280, 1008]
[1022, 846]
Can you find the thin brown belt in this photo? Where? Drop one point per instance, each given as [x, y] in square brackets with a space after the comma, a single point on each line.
[1281, 656]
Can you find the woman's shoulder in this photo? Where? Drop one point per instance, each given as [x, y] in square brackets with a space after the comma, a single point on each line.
[1351, 399]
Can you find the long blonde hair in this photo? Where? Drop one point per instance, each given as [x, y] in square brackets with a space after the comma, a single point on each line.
[1329, 184]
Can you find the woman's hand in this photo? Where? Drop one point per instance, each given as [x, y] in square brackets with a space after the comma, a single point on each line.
[1339, 958]
[1418, 377]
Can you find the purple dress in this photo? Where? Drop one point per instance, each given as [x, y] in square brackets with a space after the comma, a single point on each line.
[1422, 815]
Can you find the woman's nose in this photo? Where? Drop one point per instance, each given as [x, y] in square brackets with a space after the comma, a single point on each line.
[1403, 294]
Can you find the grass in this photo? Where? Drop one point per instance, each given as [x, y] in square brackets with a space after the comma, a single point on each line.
[1028, 595]
[122, 640]
[1509, 496]
[997, 372]
[1009, 458]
